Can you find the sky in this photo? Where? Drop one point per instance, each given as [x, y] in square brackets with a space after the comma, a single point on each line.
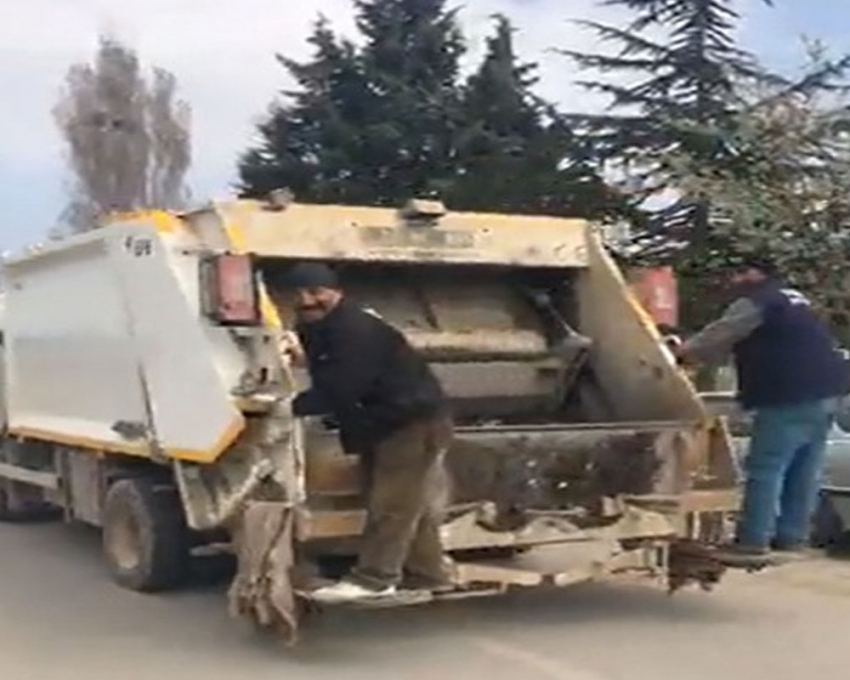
[222, 52]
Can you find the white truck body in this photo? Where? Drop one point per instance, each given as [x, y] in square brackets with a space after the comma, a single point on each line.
[119, 384]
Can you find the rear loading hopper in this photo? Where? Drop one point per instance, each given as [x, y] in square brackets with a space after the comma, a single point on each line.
[575, 430]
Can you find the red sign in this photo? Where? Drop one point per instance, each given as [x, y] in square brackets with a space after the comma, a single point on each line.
[656, 289]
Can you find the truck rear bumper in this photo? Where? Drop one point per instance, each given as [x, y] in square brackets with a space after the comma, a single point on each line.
[669, 564]
[555, 566]
[632, 517]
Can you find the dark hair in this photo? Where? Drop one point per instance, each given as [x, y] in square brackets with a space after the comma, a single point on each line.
[761, 263]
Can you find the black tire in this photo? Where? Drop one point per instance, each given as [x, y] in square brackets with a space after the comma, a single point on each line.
[145, 538]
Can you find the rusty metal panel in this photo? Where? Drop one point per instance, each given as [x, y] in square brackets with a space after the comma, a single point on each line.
[637, 374]
[561, 467]
[299, 231]
[479, 345]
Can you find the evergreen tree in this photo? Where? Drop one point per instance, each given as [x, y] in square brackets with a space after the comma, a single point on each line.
[375, 125]
[392, 119]
[311, 144]
[784, 193]
[515, 154]
[757, 161]
[688, 68]
[412, 60]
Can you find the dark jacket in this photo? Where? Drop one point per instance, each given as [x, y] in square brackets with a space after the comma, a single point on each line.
[366, 375]
[791, 358]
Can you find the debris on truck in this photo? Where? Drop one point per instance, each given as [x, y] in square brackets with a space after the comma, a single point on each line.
[145, 392]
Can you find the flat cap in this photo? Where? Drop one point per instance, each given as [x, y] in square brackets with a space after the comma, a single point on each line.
[311, 275]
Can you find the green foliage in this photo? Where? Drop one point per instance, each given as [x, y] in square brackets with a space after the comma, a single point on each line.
[674, 75]
[394, 119]
[784, 191]
[515, 153]
[373, 125]
[309, 143]
[759, 163]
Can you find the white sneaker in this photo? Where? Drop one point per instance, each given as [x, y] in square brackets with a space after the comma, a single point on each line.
[346, 591]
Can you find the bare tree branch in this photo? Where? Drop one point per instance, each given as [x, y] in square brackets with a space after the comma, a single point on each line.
[128, 143]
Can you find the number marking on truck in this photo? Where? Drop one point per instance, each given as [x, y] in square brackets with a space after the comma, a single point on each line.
[424, 237]
[138, 246]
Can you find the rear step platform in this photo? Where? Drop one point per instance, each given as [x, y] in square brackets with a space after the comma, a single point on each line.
[483, 578]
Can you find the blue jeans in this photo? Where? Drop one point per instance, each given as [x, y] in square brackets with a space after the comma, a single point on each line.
[783, 470]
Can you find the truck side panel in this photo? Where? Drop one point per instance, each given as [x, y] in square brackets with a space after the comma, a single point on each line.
[192, 410]
[71, 364]
[106, 352]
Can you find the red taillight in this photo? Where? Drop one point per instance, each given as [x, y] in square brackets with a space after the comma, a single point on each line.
[229, 290]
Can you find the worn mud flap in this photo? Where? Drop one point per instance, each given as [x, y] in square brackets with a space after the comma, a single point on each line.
[694, 562]
[262, 589]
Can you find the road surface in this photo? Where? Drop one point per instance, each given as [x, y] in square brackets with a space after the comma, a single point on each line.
[61, 619]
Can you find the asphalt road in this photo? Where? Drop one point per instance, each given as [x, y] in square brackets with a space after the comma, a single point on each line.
[61, 619]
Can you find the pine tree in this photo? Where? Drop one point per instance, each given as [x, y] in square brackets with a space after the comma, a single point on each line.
[759, 162]
[392, 119]
[411, 60]
[515, 153]
[684, 55]
[375, 125]
[310, 144]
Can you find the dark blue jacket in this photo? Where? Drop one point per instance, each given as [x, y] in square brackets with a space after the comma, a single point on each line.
[791, 358]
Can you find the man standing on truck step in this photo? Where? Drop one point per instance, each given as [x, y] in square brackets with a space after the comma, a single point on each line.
[391, 411]
[789, 373]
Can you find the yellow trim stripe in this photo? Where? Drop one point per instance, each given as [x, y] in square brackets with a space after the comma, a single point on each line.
[235, 236]
[164, 222]
[135, 449]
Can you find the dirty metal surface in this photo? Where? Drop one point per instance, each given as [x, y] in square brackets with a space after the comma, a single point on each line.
[555, 567]
[692, 562]
[552, 470]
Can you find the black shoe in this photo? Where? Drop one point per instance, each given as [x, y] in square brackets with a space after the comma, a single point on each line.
[741, 555]
[788, 546]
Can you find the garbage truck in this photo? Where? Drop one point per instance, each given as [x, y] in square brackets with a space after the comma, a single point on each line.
[145, 392]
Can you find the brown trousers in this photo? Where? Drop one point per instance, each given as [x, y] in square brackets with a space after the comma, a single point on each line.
[404, 480]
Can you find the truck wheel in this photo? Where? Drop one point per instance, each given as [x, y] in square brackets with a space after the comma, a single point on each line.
[145, 538]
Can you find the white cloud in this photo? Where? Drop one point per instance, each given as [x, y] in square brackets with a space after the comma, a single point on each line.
[223, 55]
[222, 52]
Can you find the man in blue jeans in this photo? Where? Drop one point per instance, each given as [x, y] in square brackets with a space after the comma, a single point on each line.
[789, 373]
